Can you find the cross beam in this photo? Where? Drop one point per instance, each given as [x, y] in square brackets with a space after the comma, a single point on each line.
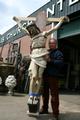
[34, 19]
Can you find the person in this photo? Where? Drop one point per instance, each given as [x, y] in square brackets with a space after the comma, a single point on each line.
[38, 56]
[50, 79]
[23, 74]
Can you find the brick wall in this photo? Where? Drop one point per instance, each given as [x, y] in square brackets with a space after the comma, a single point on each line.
[25, 45]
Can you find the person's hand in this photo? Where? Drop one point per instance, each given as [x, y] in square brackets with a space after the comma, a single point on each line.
[47, 58]
[65, 19]
[15, 19]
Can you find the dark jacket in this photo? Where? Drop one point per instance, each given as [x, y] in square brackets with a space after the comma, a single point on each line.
[56, 63]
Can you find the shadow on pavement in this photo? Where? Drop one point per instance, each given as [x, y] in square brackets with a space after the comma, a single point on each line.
[70, 116]
[69, 92]
[63, 116]
[19, 95]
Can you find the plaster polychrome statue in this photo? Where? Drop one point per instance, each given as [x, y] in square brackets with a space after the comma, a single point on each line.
[39, 52]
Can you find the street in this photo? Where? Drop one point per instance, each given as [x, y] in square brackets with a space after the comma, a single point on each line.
[15, 107]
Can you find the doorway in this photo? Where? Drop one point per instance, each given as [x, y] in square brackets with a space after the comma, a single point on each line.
[70, 48]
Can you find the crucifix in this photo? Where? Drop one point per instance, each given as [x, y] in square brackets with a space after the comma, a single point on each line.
[39, 53]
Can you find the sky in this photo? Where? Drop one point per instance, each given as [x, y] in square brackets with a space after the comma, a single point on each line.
[10, 8]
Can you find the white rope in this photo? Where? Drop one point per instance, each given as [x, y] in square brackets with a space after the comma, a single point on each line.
[18, 21]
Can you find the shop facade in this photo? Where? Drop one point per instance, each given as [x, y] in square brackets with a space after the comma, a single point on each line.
[68, 38]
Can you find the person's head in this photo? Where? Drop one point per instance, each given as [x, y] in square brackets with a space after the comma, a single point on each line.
[52, 43]
[33, 29]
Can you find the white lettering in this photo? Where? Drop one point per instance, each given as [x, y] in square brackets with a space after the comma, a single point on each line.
[8, 36]
[2, 39]
[71, 2]
[61, 4]
[29, 22]
[18, 29]
[52, 11]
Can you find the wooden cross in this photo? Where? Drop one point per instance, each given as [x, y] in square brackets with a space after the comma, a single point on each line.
[40, 20]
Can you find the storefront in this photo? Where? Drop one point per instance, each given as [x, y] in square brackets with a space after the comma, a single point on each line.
[68, 38]
[69, 41]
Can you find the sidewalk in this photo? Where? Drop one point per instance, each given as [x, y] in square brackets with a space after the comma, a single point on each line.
[70, 107]
[15, 108]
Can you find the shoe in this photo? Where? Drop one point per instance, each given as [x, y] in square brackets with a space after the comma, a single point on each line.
[43, 112]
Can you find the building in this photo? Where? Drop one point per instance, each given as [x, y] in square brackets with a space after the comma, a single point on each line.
[68, 39]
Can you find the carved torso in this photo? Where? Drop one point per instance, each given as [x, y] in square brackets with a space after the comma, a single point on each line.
[39, 50]
[39, 41]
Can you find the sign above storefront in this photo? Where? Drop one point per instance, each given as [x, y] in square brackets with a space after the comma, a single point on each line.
[54, 8]
[60, 6]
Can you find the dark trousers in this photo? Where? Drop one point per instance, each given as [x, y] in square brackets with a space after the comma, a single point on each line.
[50, 84]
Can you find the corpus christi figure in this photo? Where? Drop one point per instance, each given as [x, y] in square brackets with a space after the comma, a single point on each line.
[38, 54]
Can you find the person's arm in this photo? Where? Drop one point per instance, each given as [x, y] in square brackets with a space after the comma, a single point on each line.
[65, 18]
[56, 57]
[20, 25]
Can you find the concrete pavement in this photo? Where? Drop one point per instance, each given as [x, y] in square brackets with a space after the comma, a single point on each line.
[15, 107]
